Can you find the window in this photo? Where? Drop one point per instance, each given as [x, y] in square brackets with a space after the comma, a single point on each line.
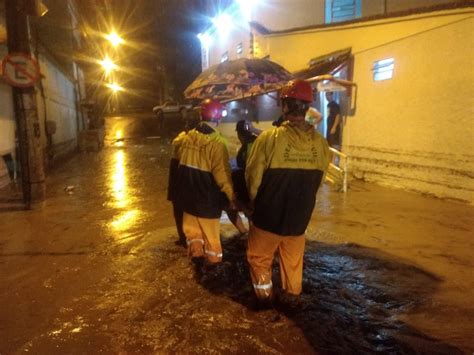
[240, 48]
[204, 57]
[342, 10]
[383, 69]
[225, 57]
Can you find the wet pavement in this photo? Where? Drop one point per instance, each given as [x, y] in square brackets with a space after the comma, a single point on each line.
[96, 270]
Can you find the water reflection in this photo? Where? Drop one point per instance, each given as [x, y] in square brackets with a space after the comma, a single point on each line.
[119, 181]
[121, 194]
[124, 220]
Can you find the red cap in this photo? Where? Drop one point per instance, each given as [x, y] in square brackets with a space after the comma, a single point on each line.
[211, 110]
[297, 89]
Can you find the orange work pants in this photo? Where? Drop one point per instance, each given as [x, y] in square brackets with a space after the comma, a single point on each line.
[260, 252]
[203, 237]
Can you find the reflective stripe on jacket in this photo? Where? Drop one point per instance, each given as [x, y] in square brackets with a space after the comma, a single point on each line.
[284, 170]
[205, 184]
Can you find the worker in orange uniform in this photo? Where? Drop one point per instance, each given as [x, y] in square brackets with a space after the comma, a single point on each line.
[204, 183]
[284, 171]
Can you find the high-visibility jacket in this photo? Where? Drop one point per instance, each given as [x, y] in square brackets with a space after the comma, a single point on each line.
[174, 164]
[204, 181]
[284, 170]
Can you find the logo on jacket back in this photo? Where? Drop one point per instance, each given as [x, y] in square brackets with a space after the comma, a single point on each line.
[291, 155]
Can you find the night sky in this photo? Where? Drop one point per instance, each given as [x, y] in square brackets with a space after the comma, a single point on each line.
[165, 55]
[161, 55]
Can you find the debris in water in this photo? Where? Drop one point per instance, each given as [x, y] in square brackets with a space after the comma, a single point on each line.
[69, 189]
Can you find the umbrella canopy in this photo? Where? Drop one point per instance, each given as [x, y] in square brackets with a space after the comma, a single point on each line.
[237, 78]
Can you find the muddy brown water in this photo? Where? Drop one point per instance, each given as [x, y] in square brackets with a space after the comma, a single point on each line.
[96, 270]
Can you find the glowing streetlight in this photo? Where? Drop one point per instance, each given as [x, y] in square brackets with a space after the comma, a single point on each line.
[114, 87]
[206, 39]
[223, 24]
[108, 65]
[114, 38]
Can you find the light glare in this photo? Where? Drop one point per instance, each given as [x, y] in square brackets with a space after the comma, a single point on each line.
[114, 87]
[246, 7]
[114, 39]
[205, 39]
[108, 65]
[223, 24]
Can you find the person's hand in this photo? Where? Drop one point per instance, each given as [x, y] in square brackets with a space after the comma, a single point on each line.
[333, 131]
[250, 208]
[251, 128]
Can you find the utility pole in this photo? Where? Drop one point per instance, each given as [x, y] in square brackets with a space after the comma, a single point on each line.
[26, 113]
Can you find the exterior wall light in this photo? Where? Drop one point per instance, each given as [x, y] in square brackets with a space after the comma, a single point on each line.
[206, 40]
[223, 24]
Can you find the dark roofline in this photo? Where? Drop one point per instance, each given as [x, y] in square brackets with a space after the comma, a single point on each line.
[459, 4]
[257, 26]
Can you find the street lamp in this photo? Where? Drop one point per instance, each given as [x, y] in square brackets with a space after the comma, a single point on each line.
[205, 38]
[223, 24]
[114, 87]
[108, 65]
[114, 39]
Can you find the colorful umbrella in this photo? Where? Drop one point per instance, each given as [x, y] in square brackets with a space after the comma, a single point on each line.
[238, 78]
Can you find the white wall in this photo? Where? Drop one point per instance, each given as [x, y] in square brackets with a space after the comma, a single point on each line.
[7, 123]
[60, 102]
[414, 131]
[7, 118]
[283, 14]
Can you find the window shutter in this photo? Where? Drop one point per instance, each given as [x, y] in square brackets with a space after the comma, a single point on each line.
[342, 10]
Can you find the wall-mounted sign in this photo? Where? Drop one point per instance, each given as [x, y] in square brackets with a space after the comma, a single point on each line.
[20, 70]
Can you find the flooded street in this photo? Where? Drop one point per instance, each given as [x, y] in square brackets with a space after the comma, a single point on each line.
[97, 270]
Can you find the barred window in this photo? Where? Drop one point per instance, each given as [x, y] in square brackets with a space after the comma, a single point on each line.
[383, 69]
[225, 57]
[342, 10]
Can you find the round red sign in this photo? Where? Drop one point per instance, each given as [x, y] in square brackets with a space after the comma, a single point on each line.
[20, 70]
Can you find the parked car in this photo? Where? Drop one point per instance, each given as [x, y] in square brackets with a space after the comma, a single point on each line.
[171, 107]
[172, 115]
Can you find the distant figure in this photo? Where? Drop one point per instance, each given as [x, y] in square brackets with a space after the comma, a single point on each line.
[246, 135]
[333, 135]
[284, 171]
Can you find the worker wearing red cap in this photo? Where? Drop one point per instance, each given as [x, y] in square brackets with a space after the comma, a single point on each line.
[204, 186]
[284, 171]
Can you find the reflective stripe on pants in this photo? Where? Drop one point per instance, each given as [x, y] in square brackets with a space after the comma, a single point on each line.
[261, 249]
[203, 237]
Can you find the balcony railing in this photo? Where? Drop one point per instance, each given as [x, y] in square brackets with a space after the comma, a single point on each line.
[338, 169]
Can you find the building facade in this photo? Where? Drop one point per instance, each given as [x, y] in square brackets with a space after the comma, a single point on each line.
[410, 121]
[58, 92]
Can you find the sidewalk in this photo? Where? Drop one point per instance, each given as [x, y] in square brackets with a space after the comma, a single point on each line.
[96, 269]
